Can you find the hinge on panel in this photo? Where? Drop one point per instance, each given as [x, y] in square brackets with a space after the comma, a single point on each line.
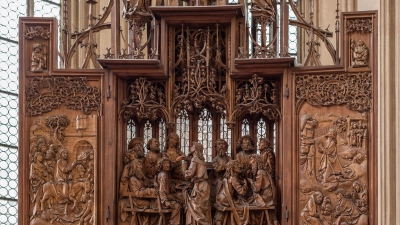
[108, 213]
[287, 92]
[287, 214]
[108, 92]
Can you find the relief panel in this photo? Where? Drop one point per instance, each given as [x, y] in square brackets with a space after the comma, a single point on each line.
[62, 158]
[333, 149]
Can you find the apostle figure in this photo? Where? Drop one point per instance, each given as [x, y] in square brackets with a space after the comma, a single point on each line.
[198, 199]
[168, 199]
[311, 214]
[245, 148]
[346, 211]
[174, 154]
[232, 194]
[220, 161]
[152, 157]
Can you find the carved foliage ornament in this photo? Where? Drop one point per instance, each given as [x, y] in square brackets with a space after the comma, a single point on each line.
[257, 96]
[48, 93]
[353, 90]
[199, 62]
[362, 25]
[146, 100]
[38, 31]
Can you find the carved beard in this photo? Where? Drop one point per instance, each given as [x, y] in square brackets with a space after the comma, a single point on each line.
[156, 149]
[247, 147]
[221, 152]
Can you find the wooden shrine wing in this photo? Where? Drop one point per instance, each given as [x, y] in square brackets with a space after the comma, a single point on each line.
[198, 113]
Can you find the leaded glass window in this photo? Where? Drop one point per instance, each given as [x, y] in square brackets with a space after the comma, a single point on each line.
[147, 134]
[162, 133]
[205, 133]
[226, 133]
[245, 127]
[182, 129]
[131, 131]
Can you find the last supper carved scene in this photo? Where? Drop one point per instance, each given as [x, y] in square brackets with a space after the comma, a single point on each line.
[198, 112]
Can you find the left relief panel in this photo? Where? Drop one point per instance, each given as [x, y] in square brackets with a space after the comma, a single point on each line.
[59, 138]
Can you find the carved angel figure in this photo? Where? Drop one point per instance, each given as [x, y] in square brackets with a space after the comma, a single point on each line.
[263, 6]
[140, 7]
[38, 58]
[359, 53]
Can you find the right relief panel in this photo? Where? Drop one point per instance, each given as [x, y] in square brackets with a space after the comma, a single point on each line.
[334, 130]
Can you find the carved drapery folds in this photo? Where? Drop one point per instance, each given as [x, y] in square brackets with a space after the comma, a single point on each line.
[199, 68]
[146, 101]
[353, 90]
[47, 93]
[257, 96]
[62, 171]
[361, 25]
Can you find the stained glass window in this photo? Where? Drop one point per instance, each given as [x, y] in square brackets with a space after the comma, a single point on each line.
[205, 133]
[182, 129]
[245, 127]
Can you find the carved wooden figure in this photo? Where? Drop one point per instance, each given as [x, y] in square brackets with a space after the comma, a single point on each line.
[197, 198]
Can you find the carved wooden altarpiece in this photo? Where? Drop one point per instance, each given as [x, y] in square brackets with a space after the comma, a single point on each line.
[200, 120]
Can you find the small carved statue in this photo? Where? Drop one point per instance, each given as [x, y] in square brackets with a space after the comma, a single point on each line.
[197, 199]
[307, 148]
[264, 6]
[136, 7]
[38, 58]
[152, 157]
[360, 52]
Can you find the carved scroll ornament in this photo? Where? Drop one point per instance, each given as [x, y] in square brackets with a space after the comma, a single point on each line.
[353, 90]
[38, 31]
[146, 100]
[48, 93]
[257, 96]
[362, 25]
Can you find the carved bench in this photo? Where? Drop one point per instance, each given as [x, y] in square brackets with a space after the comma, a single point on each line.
[228, 213]
[151, 211]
